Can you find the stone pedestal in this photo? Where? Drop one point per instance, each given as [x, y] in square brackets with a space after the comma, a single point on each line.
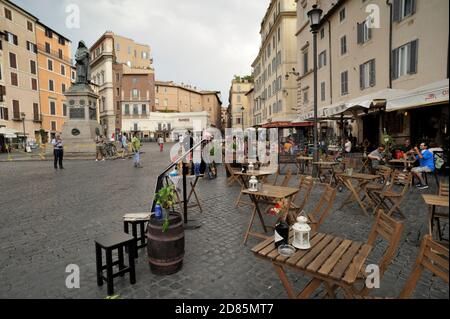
[80, 131]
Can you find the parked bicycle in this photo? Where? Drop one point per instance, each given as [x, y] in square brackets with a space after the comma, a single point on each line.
[110, 149]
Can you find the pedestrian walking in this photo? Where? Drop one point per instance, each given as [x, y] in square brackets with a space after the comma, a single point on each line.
[58, 152]
[136, 145]
[161, 143]
[124, 142]
[99, 146]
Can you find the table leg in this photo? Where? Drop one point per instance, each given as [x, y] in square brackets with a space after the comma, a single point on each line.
[250, 224]
[284, 280]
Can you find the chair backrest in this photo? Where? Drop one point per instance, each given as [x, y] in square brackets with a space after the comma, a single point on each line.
[390, 230]
[287, 178]
[306, 186]
[323, 207]
[403, 179]
[443, 189]
[385, 173]
[229, 169]
[432, 256]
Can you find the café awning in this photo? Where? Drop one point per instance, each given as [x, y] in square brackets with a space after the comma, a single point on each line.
[363, 103]
[430, 94]
[8, 133]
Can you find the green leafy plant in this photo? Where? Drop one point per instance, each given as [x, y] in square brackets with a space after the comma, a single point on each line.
[166, 198]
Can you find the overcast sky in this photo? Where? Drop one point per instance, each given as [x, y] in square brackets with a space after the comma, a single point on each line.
[198, 42]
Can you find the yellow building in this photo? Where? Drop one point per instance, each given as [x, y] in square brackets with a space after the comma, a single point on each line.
[239, 107]
[55, 72]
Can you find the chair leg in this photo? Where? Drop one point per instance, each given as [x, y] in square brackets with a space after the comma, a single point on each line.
[131, 247]
[109, 273]
[121, 264]
[98, 257]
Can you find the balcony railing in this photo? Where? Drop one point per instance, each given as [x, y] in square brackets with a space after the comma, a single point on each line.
[37, 118]
[55, 54]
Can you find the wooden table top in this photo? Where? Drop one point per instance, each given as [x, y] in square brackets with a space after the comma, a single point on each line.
[401, 161]
[436, 200]
[326, 163]
[360, 176]
[273, 191]
[329, 257]
[255, 173]
[305, 158]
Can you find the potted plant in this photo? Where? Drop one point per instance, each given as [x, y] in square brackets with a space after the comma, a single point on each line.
[165, 246]
[166, 199]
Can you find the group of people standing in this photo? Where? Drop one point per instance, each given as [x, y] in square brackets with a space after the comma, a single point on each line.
[100, 141]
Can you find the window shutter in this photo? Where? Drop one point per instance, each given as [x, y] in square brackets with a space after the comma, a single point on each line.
[413, 55]
[413, 7]
[6, 113]
[342, 83]
[360, 34]
[16, 109]
[361, 76]
[372, 73]
[36, 111]
[394, 66]
[396, 16]
[15, 40]
[369, 30]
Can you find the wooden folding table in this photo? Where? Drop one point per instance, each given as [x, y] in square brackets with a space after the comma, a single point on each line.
[363, 180]
[434, 201]
[270, 192]
[261, 174]
[331, 261]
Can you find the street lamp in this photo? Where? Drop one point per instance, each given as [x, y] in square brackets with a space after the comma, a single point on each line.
[314, 20]
[22, 117]
[242, 109]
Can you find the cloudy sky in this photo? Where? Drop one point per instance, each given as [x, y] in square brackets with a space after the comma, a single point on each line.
[198, 42]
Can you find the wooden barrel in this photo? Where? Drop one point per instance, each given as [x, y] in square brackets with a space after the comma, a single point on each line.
[165, 250]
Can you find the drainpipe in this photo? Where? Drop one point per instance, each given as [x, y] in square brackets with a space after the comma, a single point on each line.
[331, 62]
[390, 42]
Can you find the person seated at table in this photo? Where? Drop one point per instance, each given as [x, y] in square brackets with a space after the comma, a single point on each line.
[426, 160]
[288, 146]
[348, 146]
[378, 157]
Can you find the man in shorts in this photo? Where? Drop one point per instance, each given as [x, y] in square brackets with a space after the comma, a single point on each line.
[426, 160]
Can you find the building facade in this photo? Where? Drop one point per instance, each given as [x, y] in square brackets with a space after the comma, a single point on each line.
[106, 53]
[55, 77]
[171, 97]
[239, 104]
[134, 95]
[275, 66]
[371, 51]
[18, 73]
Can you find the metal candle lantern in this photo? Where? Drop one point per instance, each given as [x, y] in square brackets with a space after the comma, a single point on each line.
[302, 233]
[251, 167]
[253, 184]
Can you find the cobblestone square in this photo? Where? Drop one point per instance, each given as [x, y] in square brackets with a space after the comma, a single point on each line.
[49, 220]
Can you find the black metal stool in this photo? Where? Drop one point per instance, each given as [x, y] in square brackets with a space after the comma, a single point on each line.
[135, 220]
[109, 243]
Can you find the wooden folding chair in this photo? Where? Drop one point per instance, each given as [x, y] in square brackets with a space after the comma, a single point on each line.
[306, 185]
[438, 214]
[381, 184]
[287, 178]
[433, 257]
[389, 199]
[322, 209]
[233, 178]
[443, 189]
[391, 231]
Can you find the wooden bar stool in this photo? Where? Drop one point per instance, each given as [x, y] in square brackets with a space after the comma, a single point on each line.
[137, 220]
[109, 243]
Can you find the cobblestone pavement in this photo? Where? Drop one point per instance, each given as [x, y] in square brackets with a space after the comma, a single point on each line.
[49, 219]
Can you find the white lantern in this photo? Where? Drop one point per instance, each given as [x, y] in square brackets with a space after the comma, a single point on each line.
[253, 184]
[251, 167]
[301, 233]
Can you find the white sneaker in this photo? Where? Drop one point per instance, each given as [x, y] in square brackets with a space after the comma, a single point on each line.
[96, 160]
[103, 160]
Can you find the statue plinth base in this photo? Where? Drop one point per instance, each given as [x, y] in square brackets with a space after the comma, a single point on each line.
[80, 131]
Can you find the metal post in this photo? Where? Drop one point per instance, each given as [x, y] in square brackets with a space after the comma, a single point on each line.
[316, 122]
